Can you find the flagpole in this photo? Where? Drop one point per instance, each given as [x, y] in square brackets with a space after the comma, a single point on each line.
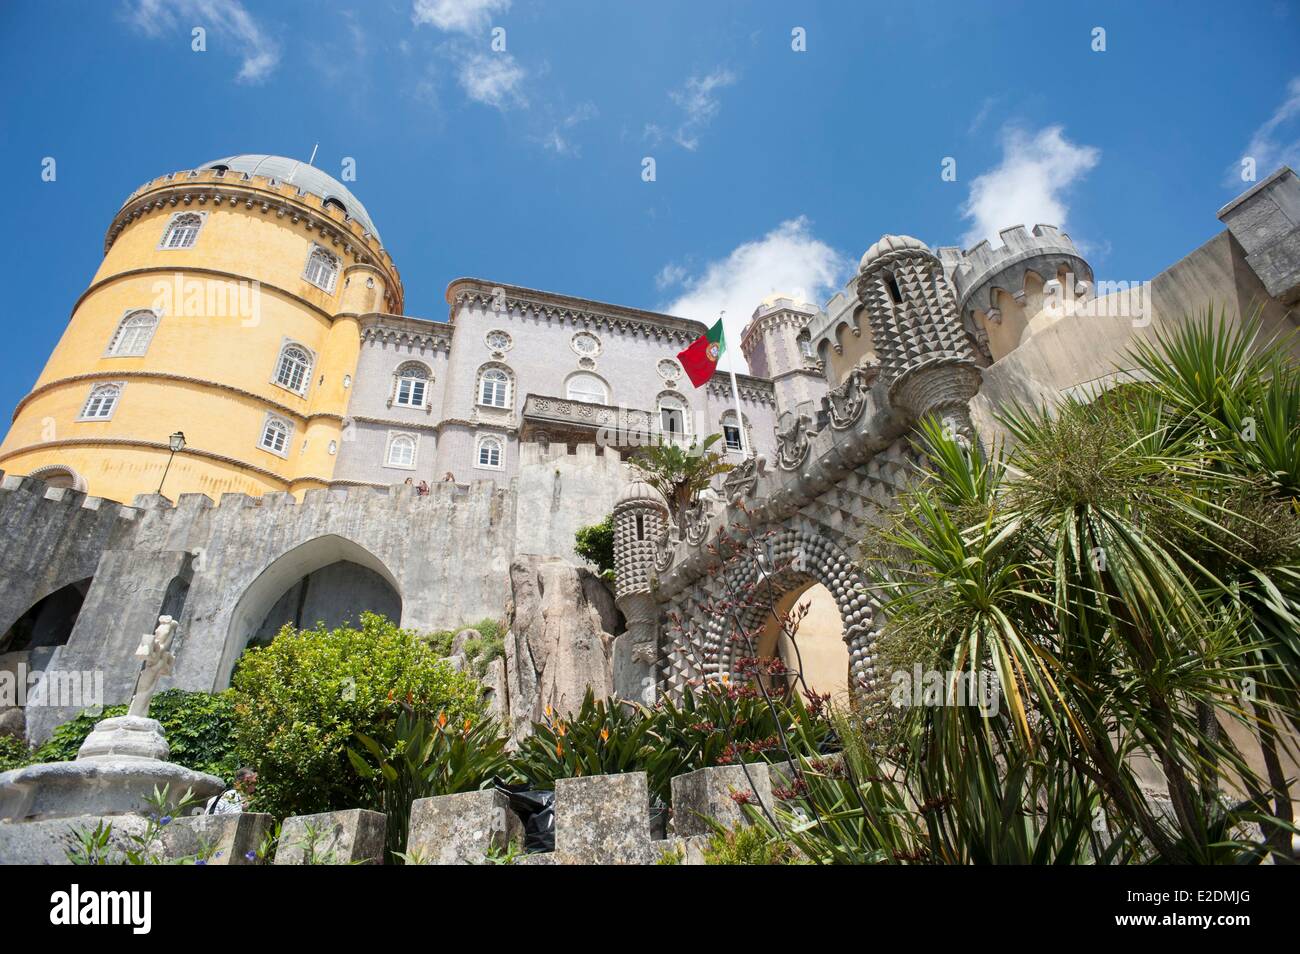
[735, 396]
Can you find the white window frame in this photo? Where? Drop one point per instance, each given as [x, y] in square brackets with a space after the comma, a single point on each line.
[393, 438]
[681, 406]
[285, 345]
[285, 425]
[423, 375]
[95, 389]
[742, 430]
[579, 375]
[115, 348]
[481, 442]
[333, 278]
[165, 244]
[508, 387]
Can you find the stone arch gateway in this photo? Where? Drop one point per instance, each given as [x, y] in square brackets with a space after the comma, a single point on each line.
[804, 513]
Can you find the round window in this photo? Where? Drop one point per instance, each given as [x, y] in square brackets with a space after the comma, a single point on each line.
[586, 344]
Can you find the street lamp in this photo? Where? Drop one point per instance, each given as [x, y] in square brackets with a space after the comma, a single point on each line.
[176, 442]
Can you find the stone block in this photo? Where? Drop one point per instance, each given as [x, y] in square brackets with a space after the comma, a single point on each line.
[47, 842]
[540, 858]
[226, 839]
[707, 793]
[603, 820]
[460, 829]
[349, 837]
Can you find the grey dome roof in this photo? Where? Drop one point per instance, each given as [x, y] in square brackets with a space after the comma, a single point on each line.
[638, 491]
[297, 173]
[890, 243]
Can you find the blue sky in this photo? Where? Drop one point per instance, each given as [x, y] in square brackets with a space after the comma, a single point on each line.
[774, 168]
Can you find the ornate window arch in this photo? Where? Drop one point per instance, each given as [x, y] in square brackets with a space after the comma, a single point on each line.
[276, 432]
[133, 334]
[490, 452]
[674, 415]
[495, 386]
[322, 268]
[101, 402]
[411, 383]
[586, 387]
[293, 367]
[182, 230]
[60, 475]
[402, 449]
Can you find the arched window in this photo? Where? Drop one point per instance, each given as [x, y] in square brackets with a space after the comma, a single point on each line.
[494, 387]
[182, 230]
[134, 332]
[293, 370]
[895, 293]
[401, 451]
[489, 453]
[672, 416]
[322, 269]
[805, 346]
[412, 385]
[588, 388]
[101, 402]
[275, 436]
[731, 435]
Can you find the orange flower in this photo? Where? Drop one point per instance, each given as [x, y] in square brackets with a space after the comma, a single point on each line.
[559, 749]
[468, 723]
[562, 729]
[442, 720]
[604, 735]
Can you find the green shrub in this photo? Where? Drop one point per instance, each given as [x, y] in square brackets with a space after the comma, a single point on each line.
[416, 757]
[300, 701]
[602, 738]
[14, 753]
[198, 726]
[746, 845]
[595, 544]
[479, 651]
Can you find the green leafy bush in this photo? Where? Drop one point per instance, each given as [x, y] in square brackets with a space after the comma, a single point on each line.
[595, 544]
[301, 699]
[490, 644]
[416, 757]
[746, 845]
[602, 738]
[14, 753]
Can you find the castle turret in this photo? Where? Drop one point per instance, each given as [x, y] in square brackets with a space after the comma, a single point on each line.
[640, 519]
[226, 307]
[1000, 291]
[926, 358]
[777, 346]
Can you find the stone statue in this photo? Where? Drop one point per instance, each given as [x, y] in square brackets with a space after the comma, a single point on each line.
[156, 650]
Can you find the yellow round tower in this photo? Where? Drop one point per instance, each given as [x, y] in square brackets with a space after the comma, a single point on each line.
[225, 309]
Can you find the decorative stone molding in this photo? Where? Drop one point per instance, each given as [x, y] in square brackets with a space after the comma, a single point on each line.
[793, 438]
[847, 401]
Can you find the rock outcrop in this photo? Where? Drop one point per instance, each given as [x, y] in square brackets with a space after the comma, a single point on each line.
[562, 622]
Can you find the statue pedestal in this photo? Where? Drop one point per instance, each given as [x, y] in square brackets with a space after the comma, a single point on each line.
[126, 737]
[117, 768]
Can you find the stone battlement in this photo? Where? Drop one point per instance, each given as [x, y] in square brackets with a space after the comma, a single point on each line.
[978, 271]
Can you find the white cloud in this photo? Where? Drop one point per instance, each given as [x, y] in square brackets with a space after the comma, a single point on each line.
[493, 79]
[699, 102]
[457, 16]
[558, 141]
[221, 18]
[1266, 147]
[1028, 186]
[788, 259]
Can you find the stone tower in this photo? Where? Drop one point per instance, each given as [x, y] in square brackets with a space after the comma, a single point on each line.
[776, 345]
[640, 518]
[226, 308]
[926, 357]
[1001, 291]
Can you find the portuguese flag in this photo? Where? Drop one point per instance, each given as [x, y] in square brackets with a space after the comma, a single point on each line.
[701, 359]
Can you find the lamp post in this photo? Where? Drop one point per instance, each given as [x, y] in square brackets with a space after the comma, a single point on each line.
[175, 442]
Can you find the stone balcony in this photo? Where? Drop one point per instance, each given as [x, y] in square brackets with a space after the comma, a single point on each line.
[548, 419]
